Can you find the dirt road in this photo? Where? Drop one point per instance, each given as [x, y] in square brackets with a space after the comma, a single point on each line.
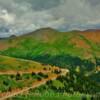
[34, 85]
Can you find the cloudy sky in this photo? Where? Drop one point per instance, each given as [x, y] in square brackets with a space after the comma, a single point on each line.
[22, 16]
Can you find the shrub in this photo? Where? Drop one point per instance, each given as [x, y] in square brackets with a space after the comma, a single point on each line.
[18, 76]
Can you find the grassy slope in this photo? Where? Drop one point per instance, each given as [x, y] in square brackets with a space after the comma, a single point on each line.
[45, 42]
[48, 41]
[52, 47]
[11, 66]
[14, 64]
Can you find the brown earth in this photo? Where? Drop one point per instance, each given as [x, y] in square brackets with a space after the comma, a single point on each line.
[93, 35]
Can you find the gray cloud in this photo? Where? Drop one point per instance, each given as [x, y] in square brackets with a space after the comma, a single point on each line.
[43, 4]
[22, 16]
[93, 2]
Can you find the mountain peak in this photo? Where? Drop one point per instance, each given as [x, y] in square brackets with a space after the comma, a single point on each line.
[46, 29]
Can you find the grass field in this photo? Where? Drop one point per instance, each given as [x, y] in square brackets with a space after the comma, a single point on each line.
[51, 95]
[15, 64]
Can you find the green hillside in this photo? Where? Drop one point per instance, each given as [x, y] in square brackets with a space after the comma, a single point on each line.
[51, 42]
[75, 50]
[15, 64]
[64, 49]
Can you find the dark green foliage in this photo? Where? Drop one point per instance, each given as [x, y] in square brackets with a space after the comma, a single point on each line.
[95, 97]
[39, 78]
[43, 75]
[40, 74]
[49, 82]
[10, 89]
[84, 98]
[66, 61]
[5, 83]
[97, 61]
[57, 71]
[76, 83]
[95, 76]
[12, 76]
[18, 76]
[33, 73]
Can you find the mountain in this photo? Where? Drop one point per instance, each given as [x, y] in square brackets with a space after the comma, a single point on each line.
[77, 51]
[64, 49]
[81, 41]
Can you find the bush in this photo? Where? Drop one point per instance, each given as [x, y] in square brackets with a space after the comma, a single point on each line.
[5, 83]
[18, 76]
[39, 79]
[33, 73]
[11, 76]
[41, 74]
[84, 98]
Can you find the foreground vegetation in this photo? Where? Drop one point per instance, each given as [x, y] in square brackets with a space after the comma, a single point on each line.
[18, 81]
[69, 87]
[51, 96]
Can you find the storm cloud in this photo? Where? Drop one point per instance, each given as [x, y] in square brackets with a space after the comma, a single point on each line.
[22, 16]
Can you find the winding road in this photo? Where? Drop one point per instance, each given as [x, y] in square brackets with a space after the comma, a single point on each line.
[6, 95]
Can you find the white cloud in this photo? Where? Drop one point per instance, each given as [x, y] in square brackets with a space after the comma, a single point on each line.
[7, 17]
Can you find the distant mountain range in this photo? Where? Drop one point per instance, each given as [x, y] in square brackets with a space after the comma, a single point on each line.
[84, 44]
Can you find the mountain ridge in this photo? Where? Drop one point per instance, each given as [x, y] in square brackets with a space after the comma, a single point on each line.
[72, 50]
[55, 30]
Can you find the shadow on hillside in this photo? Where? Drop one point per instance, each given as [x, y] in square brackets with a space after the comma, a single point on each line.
[65, 61]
